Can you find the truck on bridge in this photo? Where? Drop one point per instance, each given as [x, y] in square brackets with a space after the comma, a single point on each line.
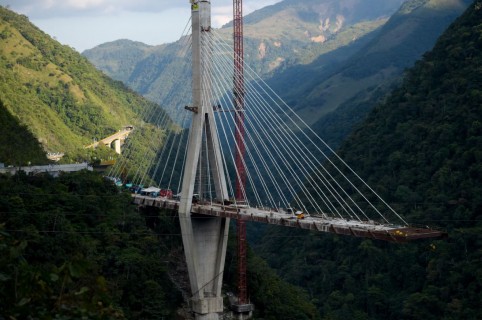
[295, 213]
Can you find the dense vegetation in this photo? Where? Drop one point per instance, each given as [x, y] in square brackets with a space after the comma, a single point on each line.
[421, 150]
[75, 247]
[58, 95]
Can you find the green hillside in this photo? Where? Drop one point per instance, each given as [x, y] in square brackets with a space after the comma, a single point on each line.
[421, 150]
[120, 57]
[63, 100]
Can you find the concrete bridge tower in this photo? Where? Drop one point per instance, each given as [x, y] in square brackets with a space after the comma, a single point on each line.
[204, 238]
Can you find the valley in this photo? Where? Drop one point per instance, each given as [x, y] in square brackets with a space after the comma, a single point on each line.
[394, 86]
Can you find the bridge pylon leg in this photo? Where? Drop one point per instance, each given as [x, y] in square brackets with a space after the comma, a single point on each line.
[204, 238]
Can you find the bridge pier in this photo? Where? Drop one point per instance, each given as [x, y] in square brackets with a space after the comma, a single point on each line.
[205, 249]
[117, 146]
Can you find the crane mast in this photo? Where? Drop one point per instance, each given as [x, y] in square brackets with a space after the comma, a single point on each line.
[239, 92]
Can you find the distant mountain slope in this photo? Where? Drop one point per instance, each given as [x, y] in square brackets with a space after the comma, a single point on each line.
[120, 57]
[295, 31]
[421, 150]
[287, 33]
[62, 98]
[372, 70]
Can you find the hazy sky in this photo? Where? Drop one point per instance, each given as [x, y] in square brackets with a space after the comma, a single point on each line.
[83, 24]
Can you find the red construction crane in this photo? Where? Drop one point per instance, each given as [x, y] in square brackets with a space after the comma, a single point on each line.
[239, 138]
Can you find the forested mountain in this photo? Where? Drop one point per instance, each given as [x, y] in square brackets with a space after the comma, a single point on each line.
[59, 96]
[75, 247]
[421, 150]
[334, 97]
[118, 59]
[284, 34]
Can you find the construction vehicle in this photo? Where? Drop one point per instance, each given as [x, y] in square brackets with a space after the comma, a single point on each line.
[295, 213]
[166, 193]
[299, 215]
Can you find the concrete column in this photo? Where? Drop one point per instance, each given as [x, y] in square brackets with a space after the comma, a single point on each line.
[117, 146]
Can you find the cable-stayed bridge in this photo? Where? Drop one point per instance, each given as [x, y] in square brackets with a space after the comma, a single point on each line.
[240, 152]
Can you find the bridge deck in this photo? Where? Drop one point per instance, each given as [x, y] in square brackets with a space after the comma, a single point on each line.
[393, 233]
